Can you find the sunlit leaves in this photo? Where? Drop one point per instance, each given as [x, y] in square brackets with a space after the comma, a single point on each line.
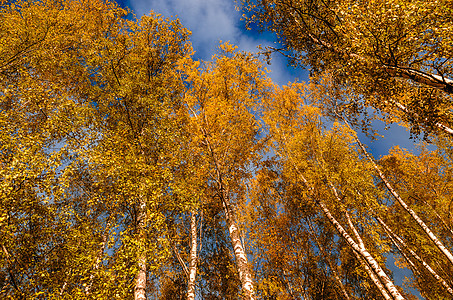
[387, 52]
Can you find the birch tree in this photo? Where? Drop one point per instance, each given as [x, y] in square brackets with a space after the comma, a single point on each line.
[222, 102]
[423, 180]
[43, 231]
[103, 91]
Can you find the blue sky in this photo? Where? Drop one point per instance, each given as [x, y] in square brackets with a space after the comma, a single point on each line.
[212, 21]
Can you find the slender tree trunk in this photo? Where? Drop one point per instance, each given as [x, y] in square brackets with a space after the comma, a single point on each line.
[382, 277]
[446, 226]
[434, 81]
[98, 258]
[193, 257]
[140, 279]
[431, 80]
[360, 249]
[181, 261]
[397, 240]
[370, 272]
[389, 286]
[373, 277]
[412, 213]
[241, 258]
[288, 285]
[441, 126]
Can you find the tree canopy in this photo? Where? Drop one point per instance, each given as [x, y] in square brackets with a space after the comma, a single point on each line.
[131, 170]
[391, 55]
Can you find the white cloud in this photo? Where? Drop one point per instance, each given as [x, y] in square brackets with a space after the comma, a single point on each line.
[209, 20]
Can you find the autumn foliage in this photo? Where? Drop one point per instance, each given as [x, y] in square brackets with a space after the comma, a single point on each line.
[130, 170]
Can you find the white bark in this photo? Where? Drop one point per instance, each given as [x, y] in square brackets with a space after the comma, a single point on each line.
[140, 284]
[181, 261]
[65, 284]
[412, 213]
[333, 266]
[360, 249]
[373, 277]
[373, 264]
[98, 258]
[435, 81]
[400, 241]
[193, 257]
[370, 272]
[140, 279]
[432, 80]
[241, 258]
[441, 126]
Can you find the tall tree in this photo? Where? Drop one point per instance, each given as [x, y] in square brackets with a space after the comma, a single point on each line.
[139, 132]
[424, 181]
[41, 120]
[222, 101]
[96, 101]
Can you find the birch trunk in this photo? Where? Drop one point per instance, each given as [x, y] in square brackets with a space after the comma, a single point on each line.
[434, 81]
[382, 276]
[431, 80]
[412, 213]
[400, 241]
[441, 126]
[360, 249]
[373, 277]
[241, 258]
[98, 258]
[140, 279]
[193, 257]
[373, 264]
[444, 223]
[370, 272]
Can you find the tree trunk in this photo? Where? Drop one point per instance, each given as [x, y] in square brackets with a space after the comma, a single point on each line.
[431, 80]
[376, 269]
[98, 258]
[441, 126]
[434, 81]
[413, 214]
[397, 240]
[360, 249]
[241, 258]
[370, 272]
[193, 257]
[140, 279]
[389, 286]
[333, 266]
[373, 277]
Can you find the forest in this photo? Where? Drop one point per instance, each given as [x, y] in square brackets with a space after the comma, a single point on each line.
[131, 170]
